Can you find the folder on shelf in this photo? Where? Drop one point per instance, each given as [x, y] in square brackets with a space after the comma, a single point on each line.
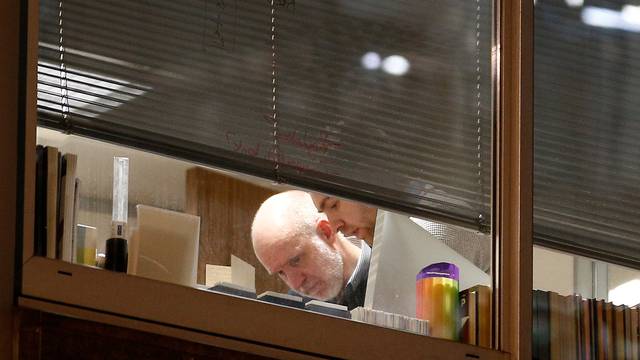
[282, 299]
[233, 289]
[166, 245]
[52, 161]
[67, 206]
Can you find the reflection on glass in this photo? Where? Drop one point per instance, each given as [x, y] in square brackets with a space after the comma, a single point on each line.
[396, 65]
[91, 93]
[627, 19]
[371, 60]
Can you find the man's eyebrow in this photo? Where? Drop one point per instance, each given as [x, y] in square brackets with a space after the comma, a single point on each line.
[322, 204]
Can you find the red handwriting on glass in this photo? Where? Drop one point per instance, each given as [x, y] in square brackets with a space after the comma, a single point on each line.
[238, 145]
[289, 161]
[311, 145]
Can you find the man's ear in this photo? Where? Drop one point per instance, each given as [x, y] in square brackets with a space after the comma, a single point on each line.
[325, 231]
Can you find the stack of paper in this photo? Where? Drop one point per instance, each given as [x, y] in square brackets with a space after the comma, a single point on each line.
[390, 320]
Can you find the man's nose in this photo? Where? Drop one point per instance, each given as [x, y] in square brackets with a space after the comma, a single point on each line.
[296, 279]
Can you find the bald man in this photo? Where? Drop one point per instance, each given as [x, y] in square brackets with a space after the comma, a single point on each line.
[292, 239]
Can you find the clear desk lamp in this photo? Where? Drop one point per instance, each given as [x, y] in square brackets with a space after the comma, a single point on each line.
[117, 254]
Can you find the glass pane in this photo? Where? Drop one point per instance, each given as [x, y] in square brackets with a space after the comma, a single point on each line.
[227, 232]
[585, 178]
[586, 197]
[583, 308]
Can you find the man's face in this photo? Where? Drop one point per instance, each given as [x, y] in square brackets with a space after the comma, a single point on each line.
[349, 217]
[310, 267]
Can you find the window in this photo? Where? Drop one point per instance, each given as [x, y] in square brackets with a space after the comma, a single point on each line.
[585, 171]
[586, 163]
[360, 101]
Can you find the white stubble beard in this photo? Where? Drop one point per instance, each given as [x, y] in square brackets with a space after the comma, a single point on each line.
[334, 267]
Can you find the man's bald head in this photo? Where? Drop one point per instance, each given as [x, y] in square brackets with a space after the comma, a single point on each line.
[293, 240]
[284, 215]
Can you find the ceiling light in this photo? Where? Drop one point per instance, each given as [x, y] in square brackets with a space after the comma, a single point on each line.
[395, 65]
[574, 3]
[371, 60]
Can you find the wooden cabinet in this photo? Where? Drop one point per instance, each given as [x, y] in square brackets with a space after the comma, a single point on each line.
[226, 206]
[43, 335]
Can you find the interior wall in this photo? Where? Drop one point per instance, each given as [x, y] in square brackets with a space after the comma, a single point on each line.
[553, 271]
[623, 285]
[9, 72]
[154, 180]
[619, 275]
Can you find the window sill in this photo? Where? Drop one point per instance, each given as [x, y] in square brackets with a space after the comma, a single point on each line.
[220, 320]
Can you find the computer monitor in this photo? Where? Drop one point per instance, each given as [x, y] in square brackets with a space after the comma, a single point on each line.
[401, 248]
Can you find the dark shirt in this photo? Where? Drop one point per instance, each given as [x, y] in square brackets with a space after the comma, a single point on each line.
[353, 293]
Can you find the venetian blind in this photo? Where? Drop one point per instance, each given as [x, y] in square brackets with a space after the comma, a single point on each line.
[587, 134]
[384, 102]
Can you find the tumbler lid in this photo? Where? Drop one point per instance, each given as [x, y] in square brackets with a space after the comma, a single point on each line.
[442, 269]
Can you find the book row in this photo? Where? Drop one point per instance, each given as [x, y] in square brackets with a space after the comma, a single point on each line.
[56, 206]
[570, 327]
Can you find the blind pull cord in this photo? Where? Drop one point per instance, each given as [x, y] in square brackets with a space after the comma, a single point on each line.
[274, 97]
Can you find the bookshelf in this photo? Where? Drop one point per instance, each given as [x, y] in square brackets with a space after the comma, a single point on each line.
[572, 327]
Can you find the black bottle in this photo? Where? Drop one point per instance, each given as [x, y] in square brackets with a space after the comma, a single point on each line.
[116, 249]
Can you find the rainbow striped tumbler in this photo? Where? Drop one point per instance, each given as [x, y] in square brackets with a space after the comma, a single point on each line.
[437, 299]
